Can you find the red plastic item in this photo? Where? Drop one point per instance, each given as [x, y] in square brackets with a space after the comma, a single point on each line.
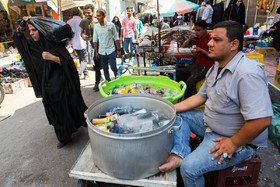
[245, 174]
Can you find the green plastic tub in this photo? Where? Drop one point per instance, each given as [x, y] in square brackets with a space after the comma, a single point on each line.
[156, 81]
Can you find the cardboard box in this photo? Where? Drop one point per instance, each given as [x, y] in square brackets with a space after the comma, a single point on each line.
[267, 51]
[15, 87]
[277, 78]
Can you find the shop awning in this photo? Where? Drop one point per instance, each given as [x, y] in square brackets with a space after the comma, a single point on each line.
[67, 4]
[169, 7]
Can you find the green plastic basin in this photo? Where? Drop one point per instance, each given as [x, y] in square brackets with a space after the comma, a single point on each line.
[153, 81]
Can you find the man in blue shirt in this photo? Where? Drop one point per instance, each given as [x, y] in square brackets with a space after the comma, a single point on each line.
[237, 111]
[139, 25]
[105, 34]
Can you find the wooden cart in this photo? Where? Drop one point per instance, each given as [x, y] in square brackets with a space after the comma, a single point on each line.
[85, 170]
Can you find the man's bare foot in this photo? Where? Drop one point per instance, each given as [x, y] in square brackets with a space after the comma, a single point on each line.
[173, 162]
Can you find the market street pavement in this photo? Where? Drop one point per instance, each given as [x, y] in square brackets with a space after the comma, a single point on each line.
[28, 153]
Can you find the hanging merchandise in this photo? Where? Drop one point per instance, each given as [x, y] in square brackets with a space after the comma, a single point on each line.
[265, 5]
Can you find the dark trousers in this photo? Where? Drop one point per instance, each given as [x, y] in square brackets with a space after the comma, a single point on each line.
[97, 64]
[105, 61]
[83, 57]
[191, 75]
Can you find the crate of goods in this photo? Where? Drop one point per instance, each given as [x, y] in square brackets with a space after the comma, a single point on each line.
[171, 90]
[243, 174]
[267, 51]
[182, 61]
[255, 56]
[17, 86]
[277, 78]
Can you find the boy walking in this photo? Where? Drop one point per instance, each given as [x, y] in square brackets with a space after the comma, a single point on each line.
[105, 34]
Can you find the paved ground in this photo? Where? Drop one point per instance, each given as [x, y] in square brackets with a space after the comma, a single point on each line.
[28, 152]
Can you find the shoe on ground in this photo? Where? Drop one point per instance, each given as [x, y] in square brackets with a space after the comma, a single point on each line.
[95, 88]
[60, 145]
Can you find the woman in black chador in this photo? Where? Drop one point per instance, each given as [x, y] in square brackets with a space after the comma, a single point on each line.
[53, 74]
[235, 11]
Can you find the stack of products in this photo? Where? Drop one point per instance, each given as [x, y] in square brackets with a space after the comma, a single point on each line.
[14, 78]
[178, 34]
[128, 120]
[142, 88]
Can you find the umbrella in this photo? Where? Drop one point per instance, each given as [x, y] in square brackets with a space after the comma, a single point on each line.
[150, 11]
[169, 7]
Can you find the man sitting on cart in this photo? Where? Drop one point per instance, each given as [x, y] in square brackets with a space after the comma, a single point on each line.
[196, 71]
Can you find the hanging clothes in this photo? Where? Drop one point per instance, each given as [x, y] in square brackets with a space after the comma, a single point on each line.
[265, 5]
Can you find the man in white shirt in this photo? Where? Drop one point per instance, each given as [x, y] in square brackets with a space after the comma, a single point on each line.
[78, 43]
[207, 14]
[200, 11]
[164, 25]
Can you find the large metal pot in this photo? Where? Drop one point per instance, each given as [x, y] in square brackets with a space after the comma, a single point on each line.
[131, 156]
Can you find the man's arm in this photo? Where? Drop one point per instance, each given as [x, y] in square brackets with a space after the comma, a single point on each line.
[121, 35]
[198, 49]
[135, 29]
[188, 41]
[84, 37]
[136, 32]
[190, 103]
[250, 130]
[141, 28]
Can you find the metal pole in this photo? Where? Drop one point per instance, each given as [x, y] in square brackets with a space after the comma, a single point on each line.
[59, 10]
[256, 13]
[159, 35]
[247, 11]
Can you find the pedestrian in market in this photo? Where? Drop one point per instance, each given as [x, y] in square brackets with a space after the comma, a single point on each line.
[196, 71]
[118, 25]
[105, 34]
[129, 26]
[207, 14]
[139, 25]
[78, 43]
[53, 75]
[164, 25]
[237, 111]
[87, 26]
[235, 11]
[199, 12]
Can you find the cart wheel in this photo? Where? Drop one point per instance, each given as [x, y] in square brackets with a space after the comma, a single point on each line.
[2, 94]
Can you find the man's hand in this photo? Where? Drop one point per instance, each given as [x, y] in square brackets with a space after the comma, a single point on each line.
[192, 38]
[121, 38]
[118, 54]
[225, 146]
[48, 56]
[96, 56]
[196, 50]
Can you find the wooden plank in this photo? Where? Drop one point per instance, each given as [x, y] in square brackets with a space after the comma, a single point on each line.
[84, 168]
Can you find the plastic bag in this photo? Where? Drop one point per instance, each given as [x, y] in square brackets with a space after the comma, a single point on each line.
[274, 128]
[54, 30]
